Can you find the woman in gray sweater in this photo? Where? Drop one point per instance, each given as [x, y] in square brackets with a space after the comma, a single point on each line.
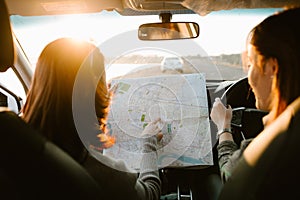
[273, 74]
[50, 109]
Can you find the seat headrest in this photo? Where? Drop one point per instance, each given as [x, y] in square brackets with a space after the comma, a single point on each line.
[6, 39]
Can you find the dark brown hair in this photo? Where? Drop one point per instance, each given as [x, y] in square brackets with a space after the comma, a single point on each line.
[278, 36]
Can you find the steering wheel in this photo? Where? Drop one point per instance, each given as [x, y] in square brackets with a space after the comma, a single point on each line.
[246, 119]
[239, 94]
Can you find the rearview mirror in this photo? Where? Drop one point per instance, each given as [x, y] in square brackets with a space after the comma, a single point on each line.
[168, 31]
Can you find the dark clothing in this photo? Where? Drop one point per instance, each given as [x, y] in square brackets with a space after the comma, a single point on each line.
[228, 155]
[276, 173]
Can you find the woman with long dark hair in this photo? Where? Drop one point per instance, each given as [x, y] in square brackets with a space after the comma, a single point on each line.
[49, 109]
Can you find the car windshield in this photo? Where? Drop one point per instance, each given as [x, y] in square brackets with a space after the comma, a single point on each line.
[216, 52]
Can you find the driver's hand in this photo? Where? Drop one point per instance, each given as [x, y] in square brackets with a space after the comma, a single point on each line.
[221, 115]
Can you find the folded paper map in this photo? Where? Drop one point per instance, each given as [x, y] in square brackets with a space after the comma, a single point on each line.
[181, 103]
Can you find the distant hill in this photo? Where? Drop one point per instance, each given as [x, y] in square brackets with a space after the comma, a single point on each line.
[232, 60]
[223, 67]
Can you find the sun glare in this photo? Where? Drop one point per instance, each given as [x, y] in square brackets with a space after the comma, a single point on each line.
[218, 35]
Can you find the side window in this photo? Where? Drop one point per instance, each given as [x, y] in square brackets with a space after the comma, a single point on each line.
[12, 93]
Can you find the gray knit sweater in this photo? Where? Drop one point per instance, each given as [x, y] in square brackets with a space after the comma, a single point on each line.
[229, 154]
[114, 176]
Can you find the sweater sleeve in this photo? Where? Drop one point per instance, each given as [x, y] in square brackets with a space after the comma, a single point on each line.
[228, 155]
[113, 173]
[149, 185]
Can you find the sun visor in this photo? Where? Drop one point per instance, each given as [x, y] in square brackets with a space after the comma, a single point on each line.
[204, 7]
[6, 39]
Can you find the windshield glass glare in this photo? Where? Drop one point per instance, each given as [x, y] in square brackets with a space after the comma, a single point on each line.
[216, 52]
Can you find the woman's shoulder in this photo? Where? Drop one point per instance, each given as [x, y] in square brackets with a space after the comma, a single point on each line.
[116, 164]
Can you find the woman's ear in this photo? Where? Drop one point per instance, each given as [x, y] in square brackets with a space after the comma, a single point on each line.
[271, 67]
[274, 63]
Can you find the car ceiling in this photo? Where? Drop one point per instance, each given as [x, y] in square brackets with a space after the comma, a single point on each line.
[136, 7]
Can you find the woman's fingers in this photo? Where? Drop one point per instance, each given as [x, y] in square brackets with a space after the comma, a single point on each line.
[154, 128]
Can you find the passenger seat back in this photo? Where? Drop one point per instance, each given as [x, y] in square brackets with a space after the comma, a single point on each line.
[33, 168]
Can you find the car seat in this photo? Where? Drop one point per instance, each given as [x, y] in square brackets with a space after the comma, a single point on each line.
[33, 168]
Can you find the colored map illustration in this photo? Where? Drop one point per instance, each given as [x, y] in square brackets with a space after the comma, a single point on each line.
[181, 103]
